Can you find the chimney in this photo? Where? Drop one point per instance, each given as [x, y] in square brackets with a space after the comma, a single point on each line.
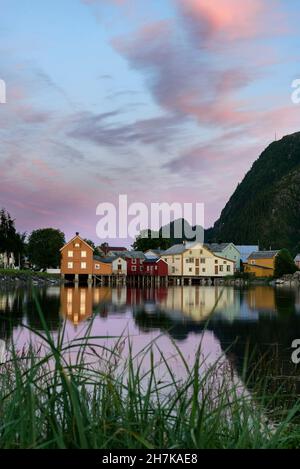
[77, 233]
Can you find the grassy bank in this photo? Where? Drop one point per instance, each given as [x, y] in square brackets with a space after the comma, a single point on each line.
[102, 400]
[26, 275]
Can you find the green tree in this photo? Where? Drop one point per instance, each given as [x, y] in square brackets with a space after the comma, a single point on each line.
[44, 247]
[284, 263]
[144, 244]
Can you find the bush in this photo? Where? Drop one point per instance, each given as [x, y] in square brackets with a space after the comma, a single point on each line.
[284, 264]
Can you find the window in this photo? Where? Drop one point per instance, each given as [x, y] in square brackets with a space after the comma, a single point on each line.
[190, 269]
[166, 259]
[119, 267]
[133, 268]
[156, 267]
[202, 260]
[173, 270]
[228, 268]
[221, 268]
[83, 265]
[70, 265]
[203, 270]
[77, 245]
[133, 261]
[224, 262]
[70, 253]
[201, 251]
[97, 266]
[83, 253]
[190, 260]
[216, 261]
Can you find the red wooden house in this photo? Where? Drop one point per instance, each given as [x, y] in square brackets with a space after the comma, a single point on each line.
[155, 268]
[135, 262]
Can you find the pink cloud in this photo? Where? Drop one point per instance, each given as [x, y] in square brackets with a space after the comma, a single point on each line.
[231, 19]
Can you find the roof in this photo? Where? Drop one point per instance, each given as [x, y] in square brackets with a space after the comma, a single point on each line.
[158, 252]
[105, 260]
[132, 255]
[216, 247]
[263, 255]
[73, 239]
[176, 249]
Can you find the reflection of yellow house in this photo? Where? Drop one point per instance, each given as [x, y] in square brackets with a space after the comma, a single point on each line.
[198, 303]
[76, 303]
[261, 298]
[261, 263]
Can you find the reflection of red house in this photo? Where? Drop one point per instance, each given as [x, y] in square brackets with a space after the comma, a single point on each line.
[155, 268]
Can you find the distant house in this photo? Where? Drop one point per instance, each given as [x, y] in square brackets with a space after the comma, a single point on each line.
[261, 263]
[297, 261]
[196, 260]
[117, 265]
[135, 262]
[155, 267]
[226, 250]
[107, 250]
[154, 253]
[246, 250]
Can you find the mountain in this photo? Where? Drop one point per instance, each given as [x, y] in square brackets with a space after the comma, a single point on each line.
[265, 207]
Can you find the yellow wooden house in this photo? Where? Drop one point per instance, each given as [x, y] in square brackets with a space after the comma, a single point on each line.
[261, 263]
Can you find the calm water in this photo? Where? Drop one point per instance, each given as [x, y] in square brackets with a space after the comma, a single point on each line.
[225, 319]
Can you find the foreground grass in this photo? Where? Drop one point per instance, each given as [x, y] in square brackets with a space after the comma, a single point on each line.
[101, 400]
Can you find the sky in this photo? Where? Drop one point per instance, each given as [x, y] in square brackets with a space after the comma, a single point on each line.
[162, 100]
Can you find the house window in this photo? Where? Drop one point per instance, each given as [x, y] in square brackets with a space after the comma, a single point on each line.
[201, 251]
[166, 259]
[77, 245]
[173, 270]
[70, 253]
[133, 261]
[203, 270]
[70, 265]
[133, 269]
[216, 261]
[119, 267]
[97, 266]
[156, 267]
[228, 268]
[83, 265]
[83, 253]
[221, 268]
[190, 269]
[190, 260]
[224, 262]
[202, 260]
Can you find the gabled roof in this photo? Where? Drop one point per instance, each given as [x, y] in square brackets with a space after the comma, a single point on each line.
[80, 239]
[216, 247]
[132, 255]
[105, 260]
[176, 249]
[263, 255]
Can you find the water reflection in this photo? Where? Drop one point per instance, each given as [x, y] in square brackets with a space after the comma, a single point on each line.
[254, 317]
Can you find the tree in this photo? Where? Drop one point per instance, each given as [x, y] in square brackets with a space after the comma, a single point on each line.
[91, 243]
[284, 263]
[144, 244]
[11, 242]
[44, 247]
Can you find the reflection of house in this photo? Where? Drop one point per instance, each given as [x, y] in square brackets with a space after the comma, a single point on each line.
[196, 260]
[76, 303]
[7, 260]
[261, 263]
[226, 250]
[197, 303]
[261, 298]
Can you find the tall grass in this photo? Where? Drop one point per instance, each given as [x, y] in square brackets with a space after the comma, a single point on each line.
[85, 395]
